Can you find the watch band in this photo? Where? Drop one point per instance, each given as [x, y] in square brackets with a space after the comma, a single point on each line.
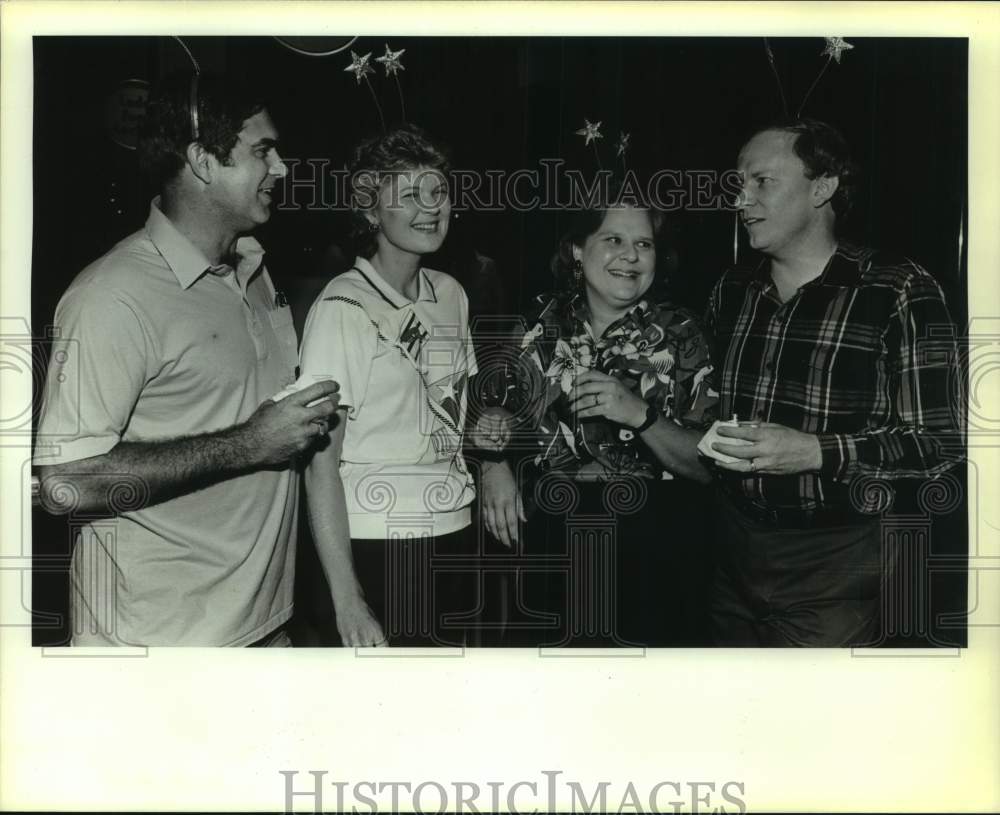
[652, 414]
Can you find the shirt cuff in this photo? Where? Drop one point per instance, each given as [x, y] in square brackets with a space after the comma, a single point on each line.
[839, 455]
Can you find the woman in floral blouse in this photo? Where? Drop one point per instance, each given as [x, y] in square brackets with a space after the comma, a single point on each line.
[593, 422]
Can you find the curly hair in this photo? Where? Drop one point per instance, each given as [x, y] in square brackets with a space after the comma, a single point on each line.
[824, 152]
[223, 106]
[406, 147]
[585, 222]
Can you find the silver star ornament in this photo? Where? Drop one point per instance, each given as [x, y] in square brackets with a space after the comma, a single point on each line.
[359, 66]
[835, 47]
[390, 61]
[623, 144]
[590, 131]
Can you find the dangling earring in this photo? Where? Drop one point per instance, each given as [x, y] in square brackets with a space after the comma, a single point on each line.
[577, 271]
[373, 227]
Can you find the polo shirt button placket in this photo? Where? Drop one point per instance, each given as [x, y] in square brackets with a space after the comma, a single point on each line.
[227, 274]
[256, 330]
[253, 320]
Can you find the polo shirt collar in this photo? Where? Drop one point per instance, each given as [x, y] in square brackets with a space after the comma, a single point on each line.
[425, 293]
[187, 261]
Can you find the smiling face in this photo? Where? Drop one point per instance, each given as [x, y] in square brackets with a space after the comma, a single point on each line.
[619, 260]
[241, 190]
[412, 213]
[779, 205]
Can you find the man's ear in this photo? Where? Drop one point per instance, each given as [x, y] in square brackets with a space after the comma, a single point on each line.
[200, 161]
[824, 188]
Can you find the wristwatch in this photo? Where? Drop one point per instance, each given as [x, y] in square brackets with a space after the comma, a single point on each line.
[652, 414]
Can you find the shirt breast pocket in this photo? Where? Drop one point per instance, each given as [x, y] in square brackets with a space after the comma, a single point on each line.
[843, 379]
[284, 332]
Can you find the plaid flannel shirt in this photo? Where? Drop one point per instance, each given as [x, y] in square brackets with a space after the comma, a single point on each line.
[863, 356]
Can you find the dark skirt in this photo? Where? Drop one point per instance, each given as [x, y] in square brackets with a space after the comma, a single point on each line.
[616, 564]
[424, 592]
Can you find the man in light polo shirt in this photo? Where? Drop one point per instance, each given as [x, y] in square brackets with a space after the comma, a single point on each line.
[157, 421]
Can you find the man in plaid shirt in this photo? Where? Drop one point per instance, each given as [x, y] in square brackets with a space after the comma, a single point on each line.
[819, 354]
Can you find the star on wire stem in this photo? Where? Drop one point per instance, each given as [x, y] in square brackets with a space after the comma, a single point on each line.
[360, 66]
[623, 144]
[777, 79]
[361, 70]
[391, 60]
[621, 147]
[392, 68]
[835, 47]
[590, 132]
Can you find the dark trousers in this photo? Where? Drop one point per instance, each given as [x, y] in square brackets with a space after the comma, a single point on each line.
[424, 592]
[794, 587]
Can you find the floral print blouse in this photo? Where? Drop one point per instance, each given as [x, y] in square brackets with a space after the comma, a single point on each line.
[658, 351]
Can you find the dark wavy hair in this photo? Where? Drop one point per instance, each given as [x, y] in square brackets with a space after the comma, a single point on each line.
[406, 147]
[824, 152]
[586, 221]
[223, 105]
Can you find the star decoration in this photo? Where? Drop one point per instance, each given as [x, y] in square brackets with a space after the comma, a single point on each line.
[447, 391]
[590, 132]
[391, 61]
[360, 66]
[623, 144]
[835, 47]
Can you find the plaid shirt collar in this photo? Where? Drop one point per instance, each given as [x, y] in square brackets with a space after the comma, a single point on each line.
[843, 270]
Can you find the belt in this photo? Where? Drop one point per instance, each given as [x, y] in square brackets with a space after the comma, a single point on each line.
[795, 518]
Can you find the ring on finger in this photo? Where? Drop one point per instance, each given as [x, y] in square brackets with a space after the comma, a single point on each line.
[753, 466]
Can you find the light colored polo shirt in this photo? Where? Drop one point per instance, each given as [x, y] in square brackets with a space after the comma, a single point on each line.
[154, 344]
[403, 369]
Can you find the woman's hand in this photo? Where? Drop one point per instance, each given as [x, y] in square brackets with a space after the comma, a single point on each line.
[501, 502]
[597, 394]
[357, 625]
[492, 430]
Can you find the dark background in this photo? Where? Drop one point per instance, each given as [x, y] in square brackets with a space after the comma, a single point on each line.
[504, 104]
